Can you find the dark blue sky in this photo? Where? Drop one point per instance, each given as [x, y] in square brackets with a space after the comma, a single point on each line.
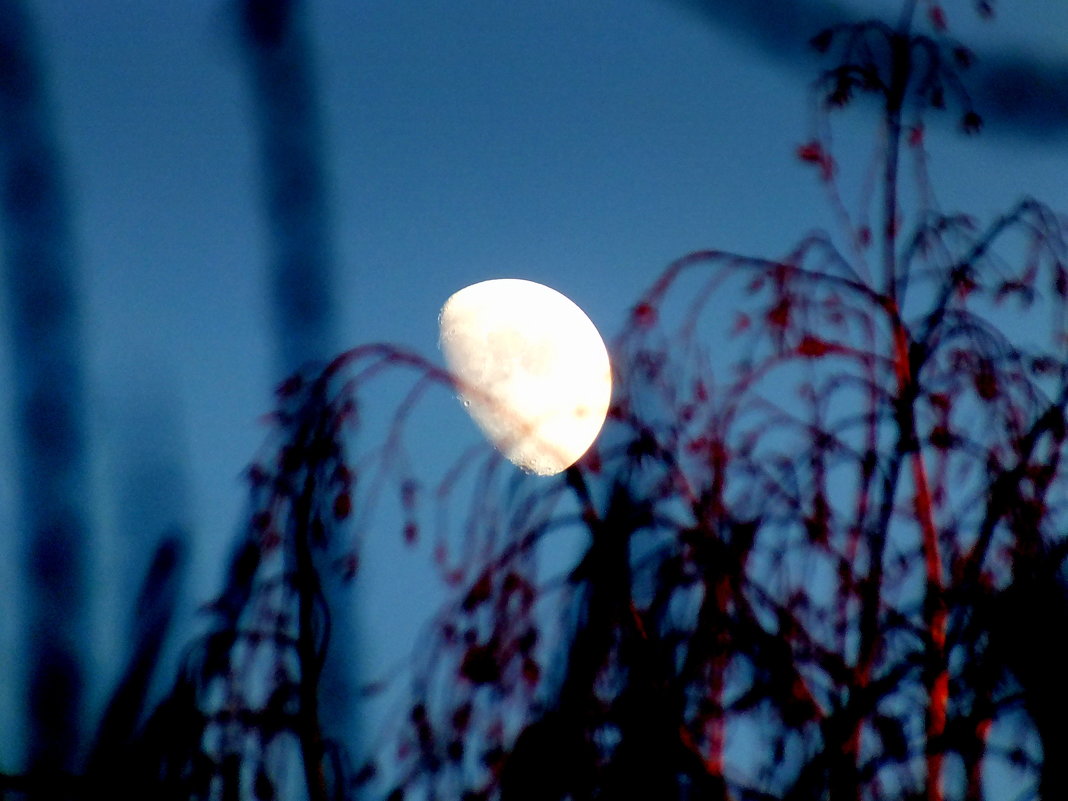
[580, 144]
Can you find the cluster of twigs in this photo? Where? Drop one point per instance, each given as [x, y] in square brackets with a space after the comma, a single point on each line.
[243, 719]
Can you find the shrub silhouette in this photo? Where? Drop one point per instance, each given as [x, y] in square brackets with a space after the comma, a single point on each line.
[819, 571]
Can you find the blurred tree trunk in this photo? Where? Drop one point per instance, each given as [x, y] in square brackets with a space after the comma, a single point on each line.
[292, 165]
[44, 335]
[283, 83]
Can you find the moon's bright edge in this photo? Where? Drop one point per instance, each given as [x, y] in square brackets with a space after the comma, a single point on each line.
[531, 368]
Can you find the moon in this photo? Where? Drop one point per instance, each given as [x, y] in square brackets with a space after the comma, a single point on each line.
[531, 369]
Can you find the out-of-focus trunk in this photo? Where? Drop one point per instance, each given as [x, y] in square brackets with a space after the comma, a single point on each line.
[301, 270]
[287, 123]
[44, 337]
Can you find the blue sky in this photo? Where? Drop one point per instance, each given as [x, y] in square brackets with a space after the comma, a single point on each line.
[583, 145]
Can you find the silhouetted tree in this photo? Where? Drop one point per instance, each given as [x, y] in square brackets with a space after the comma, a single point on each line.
[817, 569]
[821, 570]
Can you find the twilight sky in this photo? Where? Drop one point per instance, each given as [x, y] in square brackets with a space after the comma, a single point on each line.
[580, 144]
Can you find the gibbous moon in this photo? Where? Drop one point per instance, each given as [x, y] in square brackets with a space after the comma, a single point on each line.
[531, 369]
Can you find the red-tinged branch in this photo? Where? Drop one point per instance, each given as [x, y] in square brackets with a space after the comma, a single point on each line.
[714, 724]
[925, 517]
[936, 725]
[974, 791]
[938, 688]
[935, 616]
[935, 613]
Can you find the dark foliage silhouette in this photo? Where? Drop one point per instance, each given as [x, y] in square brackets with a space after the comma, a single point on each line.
[818, 567]
[820, 570]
